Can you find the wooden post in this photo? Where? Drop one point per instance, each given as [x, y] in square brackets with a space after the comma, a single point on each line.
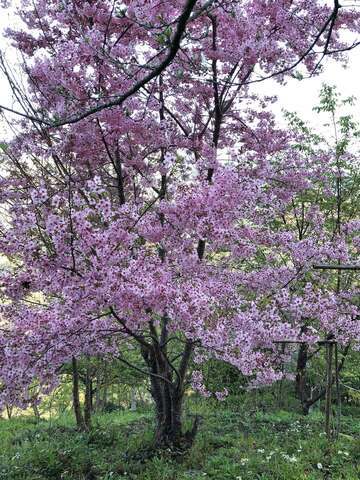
[338, 396]
[280, 399]
[329, 354]
[336, 267]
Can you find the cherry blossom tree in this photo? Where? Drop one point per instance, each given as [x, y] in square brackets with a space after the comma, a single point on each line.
[327, 213]
[141, 188]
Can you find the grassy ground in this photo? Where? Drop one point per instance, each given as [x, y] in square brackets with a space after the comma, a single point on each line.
[236, 440]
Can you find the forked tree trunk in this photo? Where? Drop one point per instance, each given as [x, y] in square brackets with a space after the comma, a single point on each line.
[168, 406]
[167, 390]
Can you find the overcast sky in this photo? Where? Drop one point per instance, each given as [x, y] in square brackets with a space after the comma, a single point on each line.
[299, 96]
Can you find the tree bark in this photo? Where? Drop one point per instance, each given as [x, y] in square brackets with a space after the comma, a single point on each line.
[36, 410]
[301, 388]
[9, 410]
[167, 391]
[104, 399]
[76, 396]
[133, 406]
[88, 399]
[169, 419]
[98, 392]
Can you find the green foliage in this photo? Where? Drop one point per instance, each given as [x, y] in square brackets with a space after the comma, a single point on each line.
[336, 195]
[219, 375]
[350, 380]
[164, 37]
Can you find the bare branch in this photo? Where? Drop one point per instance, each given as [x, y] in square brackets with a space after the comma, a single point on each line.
[336, 267]
[137, 337]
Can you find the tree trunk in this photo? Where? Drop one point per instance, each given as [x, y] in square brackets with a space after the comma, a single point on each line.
[301, 388]
[36, 410]
[9, 410]
[92, 392]
[133, 399]
[88, 399]
[104, 399]
[167, 391]
[169, 421]
[76, 396]
[98, 393]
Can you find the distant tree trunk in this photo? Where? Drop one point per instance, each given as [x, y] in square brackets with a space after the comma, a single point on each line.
[97, 395]
[133, 399]
[91, 391]
[104, 399]
[76, 396]
[36, 410]
[119, 396]
[9, 410]
[88, 399]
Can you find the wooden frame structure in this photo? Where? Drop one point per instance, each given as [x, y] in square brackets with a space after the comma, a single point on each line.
[332, 376]
[332, 372]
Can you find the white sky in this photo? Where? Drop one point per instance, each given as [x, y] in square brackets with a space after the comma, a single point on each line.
[302, 96]
[299, 96]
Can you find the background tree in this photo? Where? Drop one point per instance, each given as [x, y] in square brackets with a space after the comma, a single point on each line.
[329, 211]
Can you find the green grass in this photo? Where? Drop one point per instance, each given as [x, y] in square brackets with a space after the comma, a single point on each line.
[236, 441]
